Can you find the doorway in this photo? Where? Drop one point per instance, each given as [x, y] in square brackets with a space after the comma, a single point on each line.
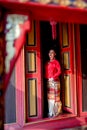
[47, 43]
[83, 44]
[36, 51]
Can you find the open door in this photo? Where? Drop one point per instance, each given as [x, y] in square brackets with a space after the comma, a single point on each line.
[68, 80]
[33, 75]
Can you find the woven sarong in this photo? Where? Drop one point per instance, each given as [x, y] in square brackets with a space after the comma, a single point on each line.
[53, 95]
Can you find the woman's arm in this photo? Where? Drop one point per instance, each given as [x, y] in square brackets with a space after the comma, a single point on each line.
[57, 70]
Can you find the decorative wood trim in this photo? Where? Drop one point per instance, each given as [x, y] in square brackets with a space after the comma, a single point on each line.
[66, 60]
[67, 91]
[31, 61]
[32, 97]
[65, 35]
[31, 36]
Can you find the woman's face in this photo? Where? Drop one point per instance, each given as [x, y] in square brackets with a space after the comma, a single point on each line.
[52, 54]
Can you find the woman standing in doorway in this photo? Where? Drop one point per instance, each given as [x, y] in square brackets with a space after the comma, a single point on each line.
[52, 73]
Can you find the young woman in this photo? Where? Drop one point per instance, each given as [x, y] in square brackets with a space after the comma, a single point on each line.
[52, 73]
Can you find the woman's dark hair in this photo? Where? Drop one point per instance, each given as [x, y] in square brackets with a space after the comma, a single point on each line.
[52, 48]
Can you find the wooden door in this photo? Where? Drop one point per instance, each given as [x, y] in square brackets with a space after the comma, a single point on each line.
[67, 42]
[33, 75]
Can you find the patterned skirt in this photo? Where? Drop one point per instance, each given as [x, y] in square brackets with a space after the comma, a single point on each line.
[53, 96]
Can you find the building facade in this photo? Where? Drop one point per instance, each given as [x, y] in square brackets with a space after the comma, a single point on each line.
[28, 30]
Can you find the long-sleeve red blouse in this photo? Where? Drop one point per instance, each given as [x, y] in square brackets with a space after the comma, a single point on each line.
[52, 69]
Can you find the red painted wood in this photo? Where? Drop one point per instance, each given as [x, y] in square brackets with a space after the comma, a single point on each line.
[36, 75]
[73, 68]
[61, 124]
[71, 72]
[53, 124]
[11, 126]
[78, 72]
[47, 12]
[20, 89]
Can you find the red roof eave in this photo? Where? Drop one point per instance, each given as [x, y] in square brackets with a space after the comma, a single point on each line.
[47, 11]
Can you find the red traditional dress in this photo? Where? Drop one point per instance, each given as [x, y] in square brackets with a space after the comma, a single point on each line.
[52, 73]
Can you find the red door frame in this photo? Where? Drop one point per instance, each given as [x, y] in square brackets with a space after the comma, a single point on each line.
[79, 73]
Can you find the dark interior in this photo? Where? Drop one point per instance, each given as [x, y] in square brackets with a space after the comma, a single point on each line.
[83, 44]
[47, 43]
